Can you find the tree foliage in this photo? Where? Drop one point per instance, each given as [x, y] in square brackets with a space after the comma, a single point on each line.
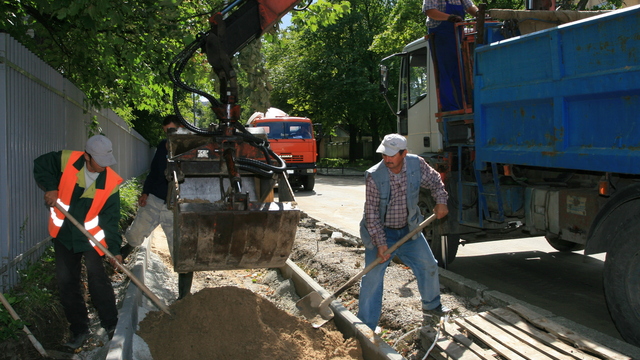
[117, 53]
[327, 72]
[324, 66]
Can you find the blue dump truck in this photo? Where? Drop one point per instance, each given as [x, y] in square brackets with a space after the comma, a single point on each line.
[547, 142]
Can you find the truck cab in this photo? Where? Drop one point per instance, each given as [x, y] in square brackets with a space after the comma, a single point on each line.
[293, 139]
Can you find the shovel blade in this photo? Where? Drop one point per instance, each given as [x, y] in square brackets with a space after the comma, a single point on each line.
[314, 309]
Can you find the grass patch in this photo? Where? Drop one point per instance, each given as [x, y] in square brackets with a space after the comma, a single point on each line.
[34, 299]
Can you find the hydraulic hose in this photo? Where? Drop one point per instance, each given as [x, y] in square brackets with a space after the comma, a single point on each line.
[176, 67]
[264, 166]
[255, 170]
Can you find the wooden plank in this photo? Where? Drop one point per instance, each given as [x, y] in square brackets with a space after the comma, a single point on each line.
[524, 337]
[507, 339]
[451, 348]
[454, 332]
[544, 337]
[495, 345]
[562, 332]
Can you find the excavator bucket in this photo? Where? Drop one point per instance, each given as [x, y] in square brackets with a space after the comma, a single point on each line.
[225, 213]
[206, 238]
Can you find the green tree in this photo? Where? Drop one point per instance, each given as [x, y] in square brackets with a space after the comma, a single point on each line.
[115, 52]
[328, 73]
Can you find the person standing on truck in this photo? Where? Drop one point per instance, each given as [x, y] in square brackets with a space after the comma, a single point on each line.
[441, 17]
[152, 203]
[86, 186]
[390, 212]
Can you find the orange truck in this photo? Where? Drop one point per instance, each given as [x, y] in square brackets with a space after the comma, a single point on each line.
[293, 139]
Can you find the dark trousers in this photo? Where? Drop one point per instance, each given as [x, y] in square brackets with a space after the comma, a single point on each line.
[68, 270]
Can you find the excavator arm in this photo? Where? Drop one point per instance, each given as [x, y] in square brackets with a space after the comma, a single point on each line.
[230, 30]
[221, 179]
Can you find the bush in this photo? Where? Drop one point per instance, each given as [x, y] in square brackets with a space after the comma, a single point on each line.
[360, 164]
[9, 327]
[129, 192]
[35, 299]
[332, 163]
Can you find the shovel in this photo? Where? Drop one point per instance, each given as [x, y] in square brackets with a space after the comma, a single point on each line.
[317, 311]
[135, 280]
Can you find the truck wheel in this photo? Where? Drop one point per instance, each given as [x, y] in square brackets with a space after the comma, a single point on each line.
[444, 250]
[622, 279]
[563, 245]
[309, 183]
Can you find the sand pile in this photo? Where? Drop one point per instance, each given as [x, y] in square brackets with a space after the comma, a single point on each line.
[234, 323]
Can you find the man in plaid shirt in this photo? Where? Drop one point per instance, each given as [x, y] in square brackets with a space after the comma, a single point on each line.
[441, 17]
[391, 212]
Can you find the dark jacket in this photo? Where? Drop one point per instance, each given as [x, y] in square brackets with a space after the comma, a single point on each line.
[156, 182]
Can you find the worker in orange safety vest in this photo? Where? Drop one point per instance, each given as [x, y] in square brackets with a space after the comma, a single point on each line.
[84, 184]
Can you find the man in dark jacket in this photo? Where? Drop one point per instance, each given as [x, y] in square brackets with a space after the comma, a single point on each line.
[152, 203]
[152, 210]
[84, 184]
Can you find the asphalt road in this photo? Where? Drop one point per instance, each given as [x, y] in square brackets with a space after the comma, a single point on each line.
[567, 284]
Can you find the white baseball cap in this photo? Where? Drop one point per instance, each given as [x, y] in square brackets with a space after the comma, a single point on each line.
[391, 144]
[100, 149]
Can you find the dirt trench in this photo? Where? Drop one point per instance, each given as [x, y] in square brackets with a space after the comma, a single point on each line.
[331, 260]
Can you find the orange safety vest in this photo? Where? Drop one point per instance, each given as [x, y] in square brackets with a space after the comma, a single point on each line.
[65, 192]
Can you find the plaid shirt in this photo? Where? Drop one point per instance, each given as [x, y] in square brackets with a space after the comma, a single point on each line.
[396, 216]
[442, 6]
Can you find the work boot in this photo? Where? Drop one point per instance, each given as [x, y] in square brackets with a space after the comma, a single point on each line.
[77, 340]
[110, 331]
[432, 317]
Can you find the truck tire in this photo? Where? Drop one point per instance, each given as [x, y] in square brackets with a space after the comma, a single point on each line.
[309, 182]
[443, 249]
[446, 249]
[563, 245]
[622, 280]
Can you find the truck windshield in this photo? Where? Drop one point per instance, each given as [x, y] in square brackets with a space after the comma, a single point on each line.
[414, 78]
[286, 129]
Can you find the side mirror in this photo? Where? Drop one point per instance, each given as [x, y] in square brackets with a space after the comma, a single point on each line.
[384, 79]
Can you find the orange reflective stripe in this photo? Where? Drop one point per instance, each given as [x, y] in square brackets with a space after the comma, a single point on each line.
[65, 190]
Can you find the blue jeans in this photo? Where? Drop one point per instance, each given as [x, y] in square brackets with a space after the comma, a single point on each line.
[414, 253]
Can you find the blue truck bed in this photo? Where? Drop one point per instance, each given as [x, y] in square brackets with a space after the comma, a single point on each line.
[566, 97]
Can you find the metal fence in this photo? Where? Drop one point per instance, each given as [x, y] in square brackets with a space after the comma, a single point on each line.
[41, 111]
[340, 150]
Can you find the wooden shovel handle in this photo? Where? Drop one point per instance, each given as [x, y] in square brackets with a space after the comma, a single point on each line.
[135, 280]
[15, 317]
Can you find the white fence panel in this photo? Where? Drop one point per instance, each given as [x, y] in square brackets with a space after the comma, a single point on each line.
[41, 111]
